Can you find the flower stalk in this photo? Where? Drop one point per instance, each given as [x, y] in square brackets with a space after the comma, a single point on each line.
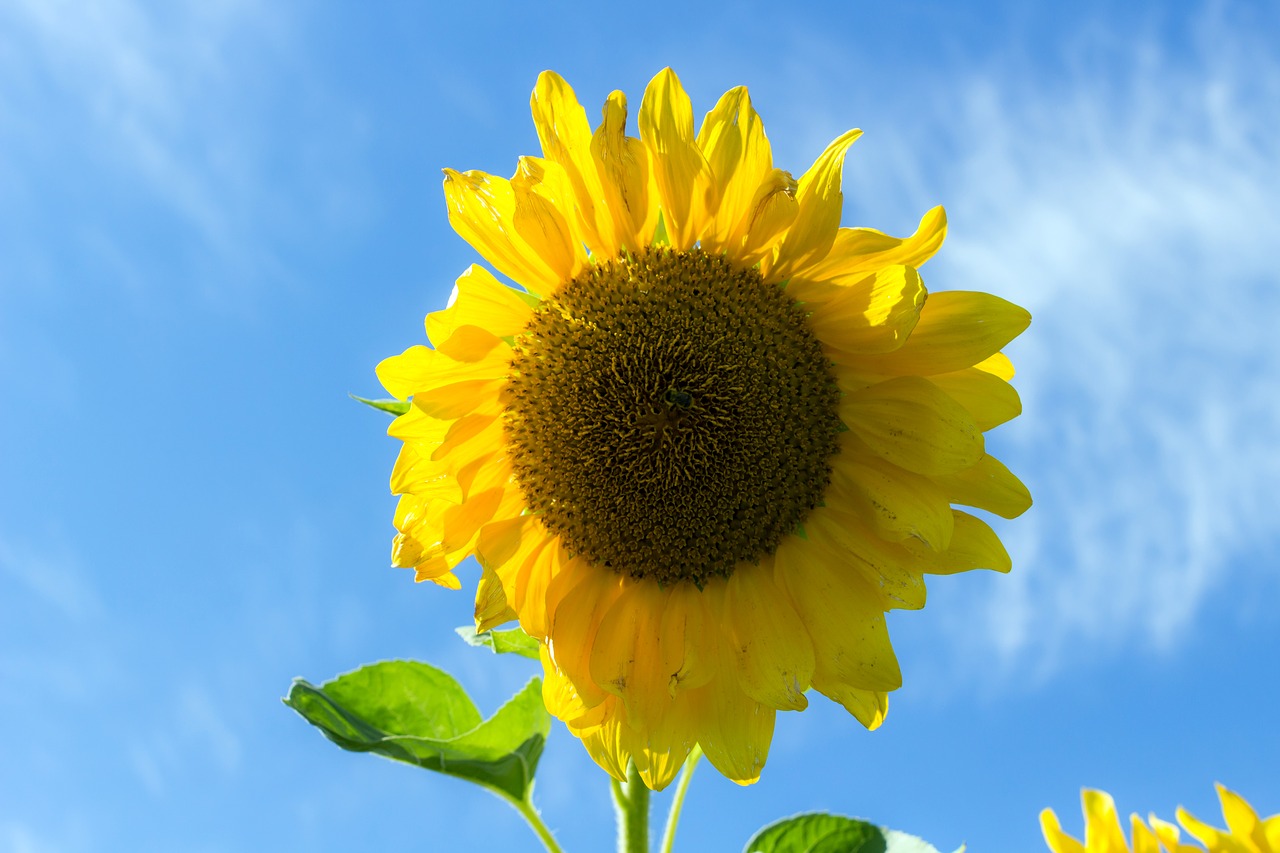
[631, 802]
[677, 802]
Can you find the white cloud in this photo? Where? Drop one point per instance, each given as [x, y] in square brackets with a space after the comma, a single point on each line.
[1134, 216]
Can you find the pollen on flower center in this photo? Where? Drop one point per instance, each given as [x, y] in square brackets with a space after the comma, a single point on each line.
[670, 415]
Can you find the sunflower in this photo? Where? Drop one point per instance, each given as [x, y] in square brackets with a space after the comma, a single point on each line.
[711, 438]
[1245, 832]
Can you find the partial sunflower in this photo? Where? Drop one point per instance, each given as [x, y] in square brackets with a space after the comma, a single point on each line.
[1102, 831]
[1245, 832]
[713, 438]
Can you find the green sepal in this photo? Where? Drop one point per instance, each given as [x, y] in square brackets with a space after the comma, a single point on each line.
[512, 641]
[391, 407]
[528, 297]
[818, 832]
[660, 236]
[412, 712]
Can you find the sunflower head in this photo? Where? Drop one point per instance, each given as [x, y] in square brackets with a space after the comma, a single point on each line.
[709, 438]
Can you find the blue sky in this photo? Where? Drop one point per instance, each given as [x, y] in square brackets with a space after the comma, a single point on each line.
[217, 217]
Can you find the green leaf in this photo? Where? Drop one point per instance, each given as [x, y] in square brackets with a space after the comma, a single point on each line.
[391, 407]
[818, 832]
[412, 712]
[513, 641]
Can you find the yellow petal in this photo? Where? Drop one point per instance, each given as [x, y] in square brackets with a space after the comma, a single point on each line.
[575, 623]
[868, 707]
[448, 580]
[632, 658]
[566, 139]
[545, 218]
[479, 299]
[894, 502]
[874, 315]
[471, 344]
[415, 473]
[990, 399]
[842, 616]
[733, 141]
[1144, 840]
[404, 374]
[957, 329]
[420, 369]
[987, 485]
[1214, 839]
[482, 210]
[909, 422]
[819, 201]
[491, 608]
[479, 431]
[1058, 841]
[689, 610]
[1271, 833]
[604, 745]
[733, 729]
[1102, 829]
[887, 568]
[773, 210]
[485, 471]
[1241, 819]
[1166, 832]
[997, 365]
[767, 640]
[659, 750]
[626, 178]
[681, 173]
[462, 523]
[447, 402]
[858, 251]
[420, 429]
[974, 545]
[534, 576]
[558, 694]
[500, 542]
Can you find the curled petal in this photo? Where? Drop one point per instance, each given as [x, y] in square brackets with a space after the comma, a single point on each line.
[482, 209]
[957, 329]
[733, 141]
[626, 177]
[566, 139]
[819, 201]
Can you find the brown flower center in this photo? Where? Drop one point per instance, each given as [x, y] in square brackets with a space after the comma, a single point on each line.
[671, 416]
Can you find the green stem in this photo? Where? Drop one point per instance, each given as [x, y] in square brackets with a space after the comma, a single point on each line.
[631, 801]
[677, 802]
[525, 807]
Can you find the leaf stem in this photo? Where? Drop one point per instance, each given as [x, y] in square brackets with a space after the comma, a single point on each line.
[677, 802]
[631, 802]
[526, 808]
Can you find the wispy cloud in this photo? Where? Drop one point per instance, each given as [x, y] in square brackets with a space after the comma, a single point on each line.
[138, 134]
[192, 735]
[1133, 212]
[49, 577]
